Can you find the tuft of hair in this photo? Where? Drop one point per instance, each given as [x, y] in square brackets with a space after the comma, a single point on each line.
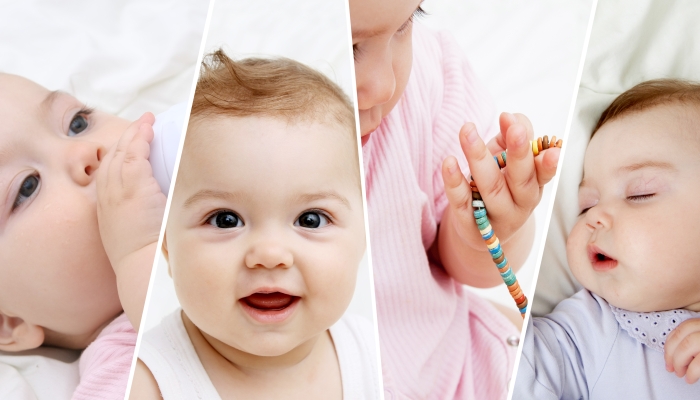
[649, 94]
[274, 87]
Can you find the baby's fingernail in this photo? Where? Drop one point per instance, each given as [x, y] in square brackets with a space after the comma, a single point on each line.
[510, 117]
[471, 135]
[669, 368]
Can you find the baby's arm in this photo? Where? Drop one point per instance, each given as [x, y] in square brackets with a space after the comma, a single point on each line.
[682, 350]
[510, 197]
[130, 212]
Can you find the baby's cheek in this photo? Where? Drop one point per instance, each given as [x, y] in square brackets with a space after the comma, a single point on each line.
[576, 253]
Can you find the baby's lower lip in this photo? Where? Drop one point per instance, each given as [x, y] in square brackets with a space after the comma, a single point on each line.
[269, 308]
[606, 265]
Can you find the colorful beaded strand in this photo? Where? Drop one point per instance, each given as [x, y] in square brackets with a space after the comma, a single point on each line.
[487, 233]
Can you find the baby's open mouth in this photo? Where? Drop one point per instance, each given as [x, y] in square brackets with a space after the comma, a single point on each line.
[599, 260]
[274, 301]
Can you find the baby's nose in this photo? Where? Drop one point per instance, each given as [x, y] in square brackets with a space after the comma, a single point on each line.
[376, 81]
[83, 159]
[598, 217]
[269, 253]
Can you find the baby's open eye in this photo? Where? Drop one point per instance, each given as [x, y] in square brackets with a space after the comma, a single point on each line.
[79, 123]
[312, 219]
[225, 220]
[28, 187]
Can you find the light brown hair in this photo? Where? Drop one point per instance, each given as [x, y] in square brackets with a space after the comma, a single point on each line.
[275, 87]
[650, 94]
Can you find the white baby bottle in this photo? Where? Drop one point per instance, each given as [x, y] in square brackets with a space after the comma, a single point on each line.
[168, 130]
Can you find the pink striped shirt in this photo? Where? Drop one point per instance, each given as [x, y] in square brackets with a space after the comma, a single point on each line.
[438, 340]
[105, 364]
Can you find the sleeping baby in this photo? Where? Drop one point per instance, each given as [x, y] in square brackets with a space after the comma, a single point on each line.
[634, 331]
[78, 230]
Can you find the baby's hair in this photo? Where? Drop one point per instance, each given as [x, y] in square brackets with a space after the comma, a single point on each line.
[650, 94]
[274, 87]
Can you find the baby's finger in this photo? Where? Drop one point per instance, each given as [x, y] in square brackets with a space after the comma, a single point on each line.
[520, 168]
[122, 147]
[139, 148]
[692, 375]
[546, 165]
[525, 121]
[505, 120]
[676, 337]
[485, 172]
[457, 188]
[685, 351]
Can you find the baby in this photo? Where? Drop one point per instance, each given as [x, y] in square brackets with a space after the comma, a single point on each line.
[423, 115]
[263, 241]
[634, 249]
[80, 222]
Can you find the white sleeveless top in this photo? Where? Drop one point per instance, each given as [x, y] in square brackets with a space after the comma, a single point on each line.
[169, 354]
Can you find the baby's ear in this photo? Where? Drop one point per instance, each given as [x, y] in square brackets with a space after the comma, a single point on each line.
[17, 334]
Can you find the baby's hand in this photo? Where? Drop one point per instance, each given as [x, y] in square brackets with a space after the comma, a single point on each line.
[511, 195]
[130, 207]
[682, 350]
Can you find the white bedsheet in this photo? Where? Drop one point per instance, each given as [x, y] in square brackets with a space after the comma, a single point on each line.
[126, 58]
[631, 41]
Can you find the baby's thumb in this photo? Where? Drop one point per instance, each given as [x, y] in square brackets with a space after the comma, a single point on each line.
[457, 188]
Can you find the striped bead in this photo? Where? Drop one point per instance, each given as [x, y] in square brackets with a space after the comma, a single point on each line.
[502, 263]
[478, 203]
[494, 244]
[487, 235]
[480, 213]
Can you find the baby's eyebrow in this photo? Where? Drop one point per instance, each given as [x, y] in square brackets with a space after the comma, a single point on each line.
[309, 197]
[51, 98]
[647, 164]
[208, 194]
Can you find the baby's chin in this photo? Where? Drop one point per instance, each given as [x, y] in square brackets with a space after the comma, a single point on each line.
[370, 120]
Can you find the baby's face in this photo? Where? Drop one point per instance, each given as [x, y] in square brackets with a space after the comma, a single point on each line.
[382, 44]
[637, 242]
[53, 269]
[265, 231]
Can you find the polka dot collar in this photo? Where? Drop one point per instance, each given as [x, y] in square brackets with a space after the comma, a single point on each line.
[651, 328]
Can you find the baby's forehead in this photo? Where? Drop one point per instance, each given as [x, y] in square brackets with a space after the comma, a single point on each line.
[16, 86]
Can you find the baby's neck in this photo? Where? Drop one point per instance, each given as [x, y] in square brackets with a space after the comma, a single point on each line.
[233, 371]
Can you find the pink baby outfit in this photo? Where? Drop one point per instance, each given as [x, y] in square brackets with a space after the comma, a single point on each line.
[438, 341]
[105, 364]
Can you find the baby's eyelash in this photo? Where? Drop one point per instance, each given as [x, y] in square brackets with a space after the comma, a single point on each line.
[85, 110]
[585, 210]
[641, 197]
[356, 52]
[418, 13]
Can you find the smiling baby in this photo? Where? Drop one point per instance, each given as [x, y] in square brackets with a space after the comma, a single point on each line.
[263, 242]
